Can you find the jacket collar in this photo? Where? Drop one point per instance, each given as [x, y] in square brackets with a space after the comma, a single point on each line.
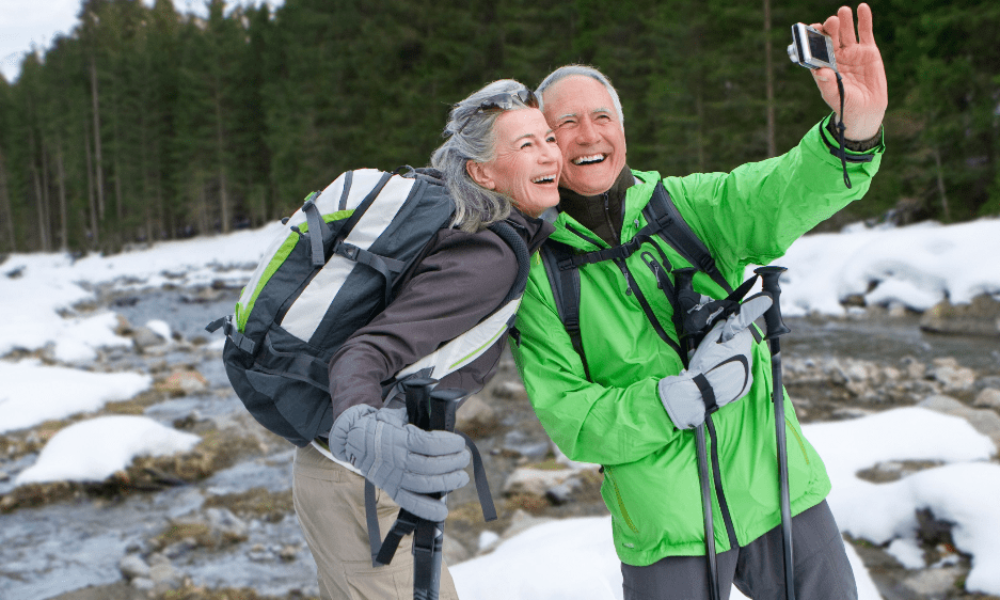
[532, 230]
[589, 211]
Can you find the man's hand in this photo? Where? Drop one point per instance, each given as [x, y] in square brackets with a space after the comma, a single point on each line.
[406, 462]
[860, 65]
[720, 369]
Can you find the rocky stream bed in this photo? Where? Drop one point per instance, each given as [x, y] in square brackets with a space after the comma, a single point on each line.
[217, 523]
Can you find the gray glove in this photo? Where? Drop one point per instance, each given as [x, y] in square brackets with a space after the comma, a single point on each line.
[402, 459]
[719, 371]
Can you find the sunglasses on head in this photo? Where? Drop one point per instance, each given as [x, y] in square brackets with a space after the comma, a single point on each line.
[501, 102]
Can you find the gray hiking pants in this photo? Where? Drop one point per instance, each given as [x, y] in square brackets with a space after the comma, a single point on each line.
[822, 570]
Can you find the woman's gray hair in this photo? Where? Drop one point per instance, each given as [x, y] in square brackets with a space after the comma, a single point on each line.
[570, 70]
[470, 136]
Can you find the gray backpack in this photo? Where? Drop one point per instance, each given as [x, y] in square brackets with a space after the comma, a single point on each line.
[330, 271]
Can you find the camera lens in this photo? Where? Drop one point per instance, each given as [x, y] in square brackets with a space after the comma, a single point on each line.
[793, 54]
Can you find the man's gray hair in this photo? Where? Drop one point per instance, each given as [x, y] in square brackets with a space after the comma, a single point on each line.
[570, 70]
[470, 136]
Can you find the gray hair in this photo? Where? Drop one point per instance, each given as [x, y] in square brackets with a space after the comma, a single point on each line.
[570, 70]
[470, 136]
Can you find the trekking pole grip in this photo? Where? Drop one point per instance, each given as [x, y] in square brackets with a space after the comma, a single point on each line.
[772, 318]
[418, 393]
[444, 405]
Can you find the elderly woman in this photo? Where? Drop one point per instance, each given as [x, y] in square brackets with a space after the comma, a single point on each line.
[500, 162]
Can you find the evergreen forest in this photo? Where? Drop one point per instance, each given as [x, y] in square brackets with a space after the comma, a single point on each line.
[146, 124]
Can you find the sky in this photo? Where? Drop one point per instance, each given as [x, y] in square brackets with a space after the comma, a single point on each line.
[28, 24]
[571, 559]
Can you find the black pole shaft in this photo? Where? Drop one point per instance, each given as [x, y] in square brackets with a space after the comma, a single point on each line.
[775, 328]
[706, 511]
[684, 283]
[779, 430]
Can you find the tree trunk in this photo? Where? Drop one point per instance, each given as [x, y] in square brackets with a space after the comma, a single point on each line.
[43, 234]
[772, 148]
[46, 199]
[223, 192]
[95, 231]
[5, 208]
[61, 174]
[940, 186]
[99, 167]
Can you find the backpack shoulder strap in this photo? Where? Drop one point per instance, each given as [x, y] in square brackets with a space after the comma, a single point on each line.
[566, 291]
[506, 233]
[675, 231]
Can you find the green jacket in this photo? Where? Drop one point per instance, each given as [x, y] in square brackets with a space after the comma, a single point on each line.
[749, 216]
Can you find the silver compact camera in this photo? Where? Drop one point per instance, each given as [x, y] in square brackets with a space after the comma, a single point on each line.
[810, 48]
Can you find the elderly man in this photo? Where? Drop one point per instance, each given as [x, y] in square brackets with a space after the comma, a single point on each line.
[612, 388]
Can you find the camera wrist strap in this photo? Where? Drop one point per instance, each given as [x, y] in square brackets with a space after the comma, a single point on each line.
[840, 131]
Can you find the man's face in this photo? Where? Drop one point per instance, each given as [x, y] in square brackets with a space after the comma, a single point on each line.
[581, 113]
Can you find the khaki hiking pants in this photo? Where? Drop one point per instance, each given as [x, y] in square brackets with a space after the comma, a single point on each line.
[330, 504]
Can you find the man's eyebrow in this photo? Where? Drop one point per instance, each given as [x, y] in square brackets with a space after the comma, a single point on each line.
[601, 110]
[566, 116]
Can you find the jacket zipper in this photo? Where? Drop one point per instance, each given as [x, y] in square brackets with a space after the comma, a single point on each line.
[717, 477]
[802, 447]
[621, 503]
[607, 216]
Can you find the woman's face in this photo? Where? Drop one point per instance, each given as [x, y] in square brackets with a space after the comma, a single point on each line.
[527, 163]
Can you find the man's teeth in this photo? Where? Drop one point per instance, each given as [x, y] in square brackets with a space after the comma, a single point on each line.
[588, 160]
[546, 179]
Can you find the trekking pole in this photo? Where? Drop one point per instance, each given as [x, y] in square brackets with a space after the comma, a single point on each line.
[775, 328]
[683, 281]
[428, 539]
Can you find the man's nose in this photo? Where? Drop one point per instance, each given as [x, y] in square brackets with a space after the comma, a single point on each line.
[587, 133]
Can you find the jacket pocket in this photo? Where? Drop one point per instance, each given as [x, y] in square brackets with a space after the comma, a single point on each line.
[618, 497]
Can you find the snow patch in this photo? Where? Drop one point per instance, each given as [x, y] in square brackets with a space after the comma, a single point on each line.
[93, 450]
[33, 393]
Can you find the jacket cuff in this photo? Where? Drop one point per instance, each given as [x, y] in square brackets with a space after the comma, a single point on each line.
[861, 151]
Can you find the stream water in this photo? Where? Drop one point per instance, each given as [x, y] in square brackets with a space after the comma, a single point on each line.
[48, 551]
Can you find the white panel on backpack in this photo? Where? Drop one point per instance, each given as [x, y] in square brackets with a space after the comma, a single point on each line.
[467, 347]
[306, 313]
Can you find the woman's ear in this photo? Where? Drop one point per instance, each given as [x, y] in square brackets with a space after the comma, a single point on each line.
[479, 173]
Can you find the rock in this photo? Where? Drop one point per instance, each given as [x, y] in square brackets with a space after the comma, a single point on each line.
[942, 403]
[454, 551]
[933, 583]
[124, 327]
[144, 338]
[510, 390]
[914, 368]
[952, 375]
[476, 417]
[132, 566]
[288, 553]
[223, 522]
[166, 577]
[260, 553]
[851, 413]
[4, 476]
[988, 398]
[979, 317]
[182, 383]
[984, 421]
[563, 492]
[526, 480]
[157, 559]
[178, 549]
[519, 443]
[143, 583]
[522, 521]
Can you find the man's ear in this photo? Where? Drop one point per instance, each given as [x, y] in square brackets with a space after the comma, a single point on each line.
[479, 173]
